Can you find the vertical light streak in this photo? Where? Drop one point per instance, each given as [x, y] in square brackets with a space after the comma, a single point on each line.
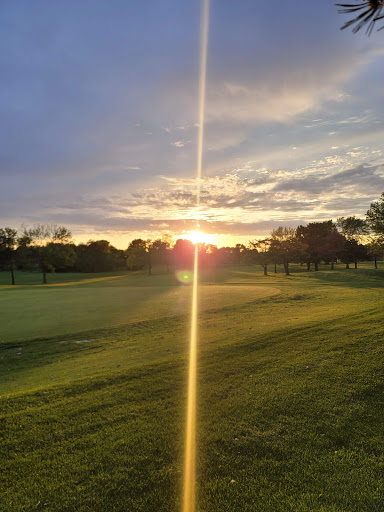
[189, 488]
[202, 82]
[190, 439]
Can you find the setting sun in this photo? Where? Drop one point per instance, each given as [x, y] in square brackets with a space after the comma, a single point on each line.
[197, 237]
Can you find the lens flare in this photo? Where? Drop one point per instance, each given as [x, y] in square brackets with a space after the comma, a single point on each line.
[190, 439]
[189, 489]
[184, 276]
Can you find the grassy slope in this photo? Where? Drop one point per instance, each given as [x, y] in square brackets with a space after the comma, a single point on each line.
[290, 408]
[66, 306]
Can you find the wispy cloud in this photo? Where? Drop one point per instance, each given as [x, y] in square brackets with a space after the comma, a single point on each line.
[248, 200]
[98, 116]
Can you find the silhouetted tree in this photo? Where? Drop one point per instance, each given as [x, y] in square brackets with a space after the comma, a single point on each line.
[137, 255]
[285, 243]
[353, 252]
[375, 247]
[322, 240]
[239, 253]
[260, 253]
[332, 247]
[224, 255]
[96, 256]
[375, 216]
[48, 245]
[182, 253]
[8, 240]
[99, 256]
[212, 255]
[352, 228]
[161, 251]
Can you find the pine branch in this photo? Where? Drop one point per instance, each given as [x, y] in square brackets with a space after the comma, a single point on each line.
[370, 15]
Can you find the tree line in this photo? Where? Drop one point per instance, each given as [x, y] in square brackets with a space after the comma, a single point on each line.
[49, 248]
[349, 240]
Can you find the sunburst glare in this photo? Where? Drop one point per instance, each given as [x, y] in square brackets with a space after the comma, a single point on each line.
[198, 237]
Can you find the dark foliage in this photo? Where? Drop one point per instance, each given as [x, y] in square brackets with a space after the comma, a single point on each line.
[369, 14]
[375, 216]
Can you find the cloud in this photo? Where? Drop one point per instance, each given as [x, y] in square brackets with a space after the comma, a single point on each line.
[363, 180]
[81, 93]
[301, 85]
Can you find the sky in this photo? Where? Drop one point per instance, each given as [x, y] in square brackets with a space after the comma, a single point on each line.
[99, 117]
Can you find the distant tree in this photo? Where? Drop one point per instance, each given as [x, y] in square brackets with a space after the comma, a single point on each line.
[203, 255]
[375, 216]
[313, 235]
[375, 247]
[144, 253]
[332, 247]
[353, 252]
[81, 263]
[25, 256]
[239, 252]
[49, 246]
[212, 255]
[118, 258]
[182, 253]
[161, 251]
[287, 246]
[352, 228]
[58, 256]
[260, 252]
[276, 255]
[138, 255]
[224, 255]
[323, 242]
[150, 250]
[8, 241]
[99, 256]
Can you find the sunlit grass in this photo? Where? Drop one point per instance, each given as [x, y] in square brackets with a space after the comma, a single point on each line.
[57, 312]
[290, 403]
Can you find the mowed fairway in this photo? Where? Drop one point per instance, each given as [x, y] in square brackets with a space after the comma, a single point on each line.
[290, 406]
[65, 308]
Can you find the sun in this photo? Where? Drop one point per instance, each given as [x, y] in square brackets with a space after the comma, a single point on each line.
[197, 237]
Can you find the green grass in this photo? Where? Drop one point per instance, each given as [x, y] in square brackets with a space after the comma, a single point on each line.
[66, 307]
[291, 393]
